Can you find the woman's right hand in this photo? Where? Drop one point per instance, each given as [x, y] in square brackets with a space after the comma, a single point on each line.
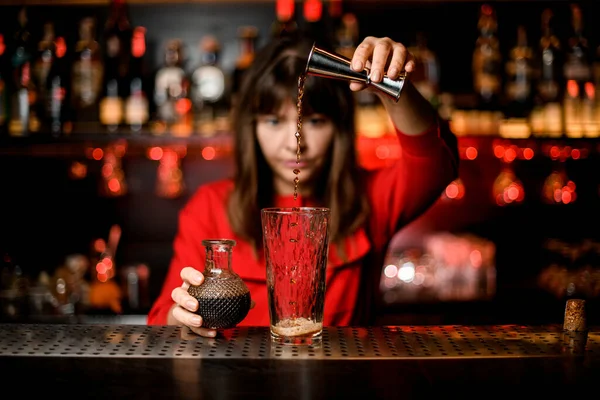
[185, 304]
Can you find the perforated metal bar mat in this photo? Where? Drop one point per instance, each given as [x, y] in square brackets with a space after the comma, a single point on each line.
[337, 343]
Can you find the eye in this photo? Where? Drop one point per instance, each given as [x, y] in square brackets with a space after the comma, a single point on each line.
[272, 120]
[316, 120]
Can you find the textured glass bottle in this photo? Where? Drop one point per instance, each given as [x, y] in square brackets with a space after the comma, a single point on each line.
[223, 297]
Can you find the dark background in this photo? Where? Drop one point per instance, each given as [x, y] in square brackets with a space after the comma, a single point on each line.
[44, 215]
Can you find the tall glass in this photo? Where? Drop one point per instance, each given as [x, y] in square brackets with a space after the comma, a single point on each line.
[296, 244]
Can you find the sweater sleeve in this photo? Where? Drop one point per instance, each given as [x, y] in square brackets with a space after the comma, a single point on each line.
[193, 225]
[400, 193]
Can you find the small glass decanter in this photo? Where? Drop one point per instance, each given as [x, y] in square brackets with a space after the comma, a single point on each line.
[223, 297]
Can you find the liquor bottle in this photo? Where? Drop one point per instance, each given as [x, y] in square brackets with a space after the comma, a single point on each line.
[42, 65]
[247, 36]
[87, 74]
[596, 66]
[22, 91]
[426, 74]
[208, 91]
[519, 72]
[577, 73]
[117, 37]
[136, 106]
[173, 106]
[50, 75]
[549, 81]
[3, 89]
[284, 24]
[59, 88]
[346, 36]
[487, 60]
[314, 25]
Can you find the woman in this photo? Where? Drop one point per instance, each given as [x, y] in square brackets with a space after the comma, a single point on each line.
[367, 208]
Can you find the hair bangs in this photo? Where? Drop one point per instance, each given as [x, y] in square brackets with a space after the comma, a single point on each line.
[280, 85]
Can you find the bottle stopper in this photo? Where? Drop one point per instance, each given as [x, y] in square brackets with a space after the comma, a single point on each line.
[575, 319]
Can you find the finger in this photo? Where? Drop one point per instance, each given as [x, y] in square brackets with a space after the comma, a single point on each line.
[191, 275]
[398, 62]
[187, 318]
[381, 52]
[184, 299]
[205, 332]
[362, 53]
[252, 304]
[356, 86]
[410, 63]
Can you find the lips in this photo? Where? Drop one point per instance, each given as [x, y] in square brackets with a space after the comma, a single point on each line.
[293, 164]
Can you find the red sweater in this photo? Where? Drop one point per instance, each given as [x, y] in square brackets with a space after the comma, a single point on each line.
[397, 195]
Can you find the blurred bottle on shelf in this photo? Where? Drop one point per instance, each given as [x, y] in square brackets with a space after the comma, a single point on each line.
[51, 81]
[426, 74]
[113, 183]
[173, 105]
[596, 73]
[209, 90]
[87, 75]
[579, 91]
[487, 59]
[346, 35]
[371, 118]
[169, 179]
[285, 23]
[3, 88]
[105, 294]
[117, 40]
[136, 105]
[547, 116]
[519, 72]
[313, 24]
[14, 285]
[247, 37]
[22, 117]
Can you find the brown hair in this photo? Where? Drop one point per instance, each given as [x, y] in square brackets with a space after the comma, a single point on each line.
[268, 83]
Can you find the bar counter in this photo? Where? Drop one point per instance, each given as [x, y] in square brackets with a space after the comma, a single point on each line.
[400, 362]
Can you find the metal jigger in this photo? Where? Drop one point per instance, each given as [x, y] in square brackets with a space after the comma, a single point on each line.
[331, 65]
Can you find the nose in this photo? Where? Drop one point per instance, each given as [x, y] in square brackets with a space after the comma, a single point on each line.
[291, 141]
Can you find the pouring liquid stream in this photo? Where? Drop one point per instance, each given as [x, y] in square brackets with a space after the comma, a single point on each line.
[296, 171]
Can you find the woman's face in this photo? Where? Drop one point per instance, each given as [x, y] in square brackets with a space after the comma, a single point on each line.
[277, 140]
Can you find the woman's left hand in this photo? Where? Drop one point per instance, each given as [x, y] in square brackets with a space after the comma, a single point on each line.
[382, 56]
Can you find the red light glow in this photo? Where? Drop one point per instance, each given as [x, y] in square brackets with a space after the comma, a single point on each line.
[455, 190]
[107, 170]
[471, 153]
[313, 9]
[61, 47]
[575, 154]
[590, 90]
[97, 153]
[155, 153]
[138, 42]
[499, 151]
[285, 9]
[183, 106]
[572, 88]
[528, 153]
[208, 153]
[99, 246]
[510, 154]
[114, 185]
[101, 268]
